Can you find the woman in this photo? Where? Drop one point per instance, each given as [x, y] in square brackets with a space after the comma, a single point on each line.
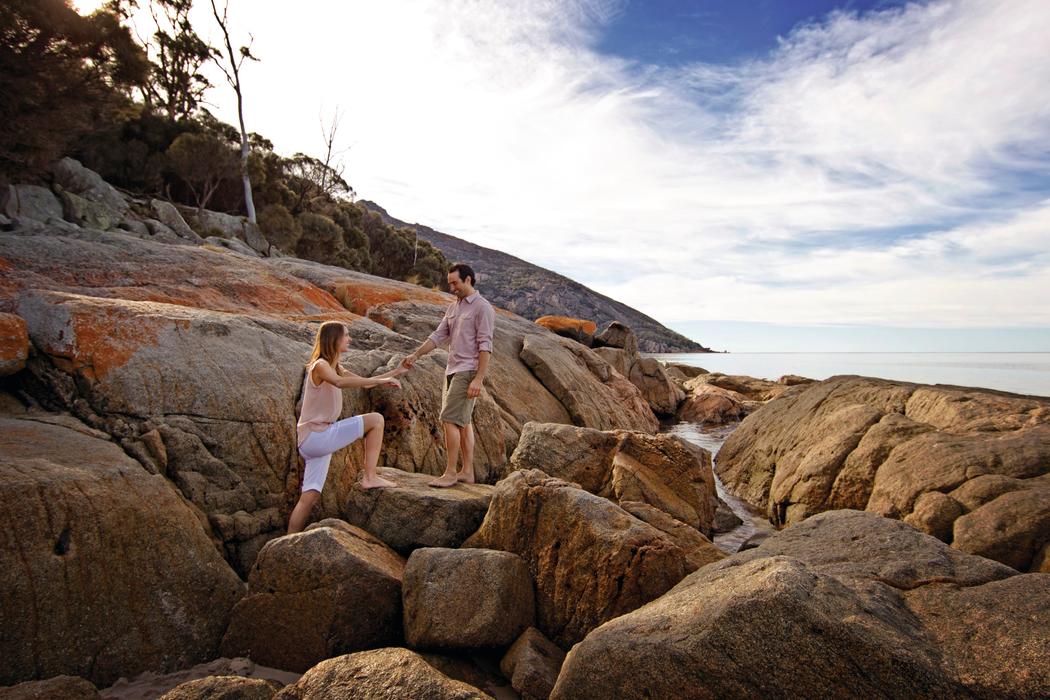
[319, 430]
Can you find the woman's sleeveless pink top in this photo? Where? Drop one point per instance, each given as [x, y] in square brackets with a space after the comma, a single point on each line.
[321, 405]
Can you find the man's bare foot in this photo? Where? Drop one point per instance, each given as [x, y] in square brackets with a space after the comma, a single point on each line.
[445, 480]
[465, 477]
[376, 483]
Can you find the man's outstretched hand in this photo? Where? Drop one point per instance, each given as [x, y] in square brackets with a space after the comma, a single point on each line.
[407, 362]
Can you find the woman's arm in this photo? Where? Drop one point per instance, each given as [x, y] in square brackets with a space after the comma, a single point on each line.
[325, 373]
[396, 372]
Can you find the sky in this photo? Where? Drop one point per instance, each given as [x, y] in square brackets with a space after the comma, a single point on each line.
[761, 176]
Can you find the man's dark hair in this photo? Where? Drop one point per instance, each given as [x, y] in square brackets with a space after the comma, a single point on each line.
[464, 271]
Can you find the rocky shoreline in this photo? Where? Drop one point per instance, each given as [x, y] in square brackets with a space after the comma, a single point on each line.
[149, 383]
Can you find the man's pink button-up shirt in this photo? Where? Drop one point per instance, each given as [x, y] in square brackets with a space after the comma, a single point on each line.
[467, 327]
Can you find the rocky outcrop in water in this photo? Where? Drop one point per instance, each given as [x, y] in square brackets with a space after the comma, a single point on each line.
[968, 466]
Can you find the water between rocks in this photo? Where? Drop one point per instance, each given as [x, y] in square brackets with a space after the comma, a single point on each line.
[711, 438]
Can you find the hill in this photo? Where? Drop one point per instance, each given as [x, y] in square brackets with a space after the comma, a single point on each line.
[533, 291]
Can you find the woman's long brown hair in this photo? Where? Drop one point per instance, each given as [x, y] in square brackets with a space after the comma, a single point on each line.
[326, 344]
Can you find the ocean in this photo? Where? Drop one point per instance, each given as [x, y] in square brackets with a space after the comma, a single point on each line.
[1017, 372]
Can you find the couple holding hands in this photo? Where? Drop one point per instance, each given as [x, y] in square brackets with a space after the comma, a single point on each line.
[467, 327]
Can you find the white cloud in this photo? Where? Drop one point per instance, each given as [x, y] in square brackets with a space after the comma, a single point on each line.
[745, 192]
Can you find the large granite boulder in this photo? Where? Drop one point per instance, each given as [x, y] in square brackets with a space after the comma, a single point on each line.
[713, 405]
[662, 470]
[194, 395]
[649, 375]
[381, 673]
[328, 590]
[73, 177]
[414, 514]
[944, 459]
[590, 560]
[844, 604]
[466, 598]
[14, 344]
[594, 394]
[108, 571]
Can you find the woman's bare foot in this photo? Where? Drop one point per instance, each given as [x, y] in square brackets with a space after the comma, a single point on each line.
[376, 483]
[445, 480]
[465, 477]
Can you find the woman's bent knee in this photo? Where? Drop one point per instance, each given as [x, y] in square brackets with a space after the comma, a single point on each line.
[374, 420]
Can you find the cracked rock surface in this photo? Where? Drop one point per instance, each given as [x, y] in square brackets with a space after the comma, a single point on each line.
[968, 466]
[844, 604]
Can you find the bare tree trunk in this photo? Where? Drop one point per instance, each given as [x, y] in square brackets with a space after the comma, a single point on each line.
[328, 134]
[233, 76]
[249, 203]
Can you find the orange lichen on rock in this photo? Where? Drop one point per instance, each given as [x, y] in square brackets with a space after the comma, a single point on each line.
[565, 323]
[90, 335]
[187, 277]
[359, 298]
[14, 343]
[105, 338]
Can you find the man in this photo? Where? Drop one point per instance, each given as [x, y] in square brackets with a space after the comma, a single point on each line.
[467, 327]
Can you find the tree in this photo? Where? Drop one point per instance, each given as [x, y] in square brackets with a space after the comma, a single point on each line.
[310, 179]
[176, 84]
[332, 183]
[202, 161]
[60, 74]
[233, 76]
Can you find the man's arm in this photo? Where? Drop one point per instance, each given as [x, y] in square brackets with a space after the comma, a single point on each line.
[474, 388]
[439, 336]
[485, 329]
[420, 351]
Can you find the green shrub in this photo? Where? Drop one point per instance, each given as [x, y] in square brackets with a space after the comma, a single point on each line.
[280, 227]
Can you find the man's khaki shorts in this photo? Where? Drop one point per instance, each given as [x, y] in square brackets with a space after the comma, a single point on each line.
[455, 406]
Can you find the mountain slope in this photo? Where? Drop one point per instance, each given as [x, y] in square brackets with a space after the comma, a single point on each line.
[533, 291]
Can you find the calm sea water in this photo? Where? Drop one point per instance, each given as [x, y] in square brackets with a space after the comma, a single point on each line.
[1018, 372]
